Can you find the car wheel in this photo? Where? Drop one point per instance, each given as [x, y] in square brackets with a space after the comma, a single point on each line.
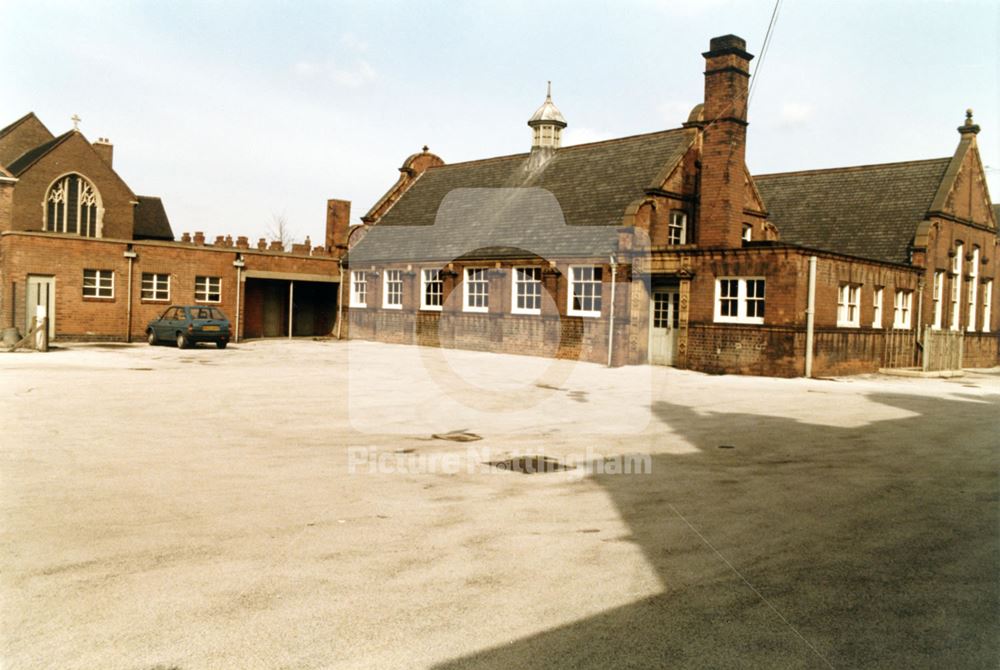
[151, 338]
[182, 341]
[221, 344]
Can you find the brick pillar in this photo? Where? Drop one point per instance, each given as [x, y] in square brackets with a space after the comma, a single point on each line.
[727, 76]
[338, 223]
[683, 318]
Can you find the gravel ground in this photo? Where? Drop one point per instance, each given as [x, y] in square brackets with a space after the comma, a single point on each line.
[283, 504]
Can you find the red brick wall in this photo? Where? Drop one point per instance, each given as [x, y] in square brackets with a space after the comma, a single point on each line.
[551, 333]
[74, 155]
[28, 135]
[6, 205]
[942, 238]
[66, 257]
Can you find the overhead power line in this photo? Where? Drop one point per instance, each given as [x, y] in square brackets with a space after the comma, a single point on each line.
[763, 49]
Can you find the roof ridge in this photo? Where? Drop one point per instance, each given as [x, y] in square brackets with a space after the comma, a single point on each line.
[850, 167]
[625, 137]
[560, 150]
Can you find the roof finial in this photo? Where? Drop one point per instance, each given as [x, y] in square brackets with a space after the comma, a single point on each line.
[548, 93]
[970, 126]
[76, 122]
[426, 148]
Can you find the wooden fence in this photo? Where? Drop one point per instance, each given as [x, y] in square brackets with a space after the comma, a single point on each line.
[942, 350]
[939, 350]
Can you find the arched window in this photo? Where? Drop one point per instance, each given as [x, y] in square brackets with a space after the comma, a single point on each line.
[72, 205]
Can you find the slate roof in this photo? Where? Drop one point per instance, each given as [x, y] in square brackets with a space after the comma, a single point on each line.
[28, 158]
[870, 211]
[151, 222]
[570, 206]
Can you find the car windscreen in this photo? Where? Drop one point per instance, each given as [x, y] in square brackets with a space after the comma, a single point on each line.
[206, 313]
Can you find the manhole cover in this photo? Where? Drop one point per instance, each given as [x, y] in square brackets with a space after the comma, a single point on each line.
[529, 465]
[457, 436]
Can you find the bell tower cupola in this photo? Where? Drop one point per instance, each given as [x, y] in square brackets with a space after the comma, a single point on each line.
[547, 124]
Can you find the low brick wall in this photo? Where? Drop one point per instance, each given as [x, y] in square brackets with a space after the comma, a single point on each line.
[567, 337]
[981, 350]
[748, 350]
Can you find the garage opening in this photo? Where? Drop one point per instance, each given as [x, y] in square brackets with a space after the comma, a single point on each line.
[289, 308]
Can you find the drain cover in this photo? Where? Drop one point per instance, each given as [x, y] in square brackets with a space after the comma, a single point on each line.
[529, 465]
[457, 436]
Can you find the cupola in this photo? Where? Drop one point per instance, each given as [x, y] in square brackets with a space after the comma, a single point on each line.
[546, 124]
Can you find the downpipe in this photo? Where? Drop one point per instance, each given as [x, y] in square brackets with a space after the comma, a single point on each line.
[611, 320]
[810, 315]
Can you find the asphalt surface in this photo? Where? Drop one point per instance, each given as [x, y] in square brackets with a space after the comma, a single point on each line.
[284, 505]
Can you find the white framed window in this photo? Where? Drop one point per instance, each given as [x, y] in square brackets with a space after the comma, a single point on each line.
[877, 306]
[987, 305]
[155, 286]
[747, 232]
[584, 296]
[208, 289]
[73, 205]
[903, 310]
[739, 300]
[392, 289]
[938, 299]
[476, 289]
[431, 289]
[526, 297]
[849, 306]
[677, 228]
[98, 284]
[359, 289]
[973, 288]
[956, 287]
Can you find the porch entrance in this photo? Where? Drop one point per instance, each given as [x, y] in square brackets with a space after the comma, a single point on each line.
[664, 319]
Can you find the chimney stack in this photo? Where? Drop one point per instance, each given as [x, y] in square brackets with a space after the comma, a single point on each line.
[105, 149]
[338, 223]
[727, 79]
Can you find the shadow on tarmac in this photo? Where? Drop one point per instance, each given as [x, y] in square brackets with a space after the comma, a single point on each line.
[804, 546]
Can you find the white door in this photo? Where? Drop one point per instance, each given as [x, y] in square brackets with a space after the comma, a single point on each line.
[664, 318]
[41, 291]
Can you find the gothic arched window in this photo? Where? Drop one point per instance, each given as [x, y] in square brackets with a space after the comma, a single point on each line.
[73, 205]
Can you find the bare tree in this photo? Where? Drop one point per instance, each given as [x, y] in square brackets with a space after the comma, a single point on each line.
[279, 231]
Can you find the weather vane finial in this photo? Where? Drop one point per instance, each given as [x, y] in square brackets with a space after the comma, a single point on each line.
[76, 121]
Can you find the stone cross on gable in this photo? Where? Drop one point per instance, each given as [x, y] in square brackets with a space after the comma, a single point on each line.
[76, 121]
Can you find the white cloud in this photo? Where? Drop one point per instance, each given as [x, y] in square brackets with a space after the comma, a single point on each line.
[795, 114]
[353, 42]
[352, 76]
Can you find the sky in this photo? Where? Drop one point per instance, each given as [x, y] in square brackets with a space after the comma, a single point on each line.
[237, 113]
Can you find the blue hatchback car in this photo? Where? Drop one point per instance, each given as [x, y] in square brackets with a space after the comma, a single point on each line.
[188, 325]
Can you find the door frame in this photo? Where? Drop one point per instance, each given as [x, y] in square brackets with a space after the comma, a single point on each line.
[50, 306]
[673, 315]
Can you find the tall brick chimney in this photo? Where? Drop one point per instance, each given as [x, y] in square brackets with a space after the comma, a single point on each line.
[338, 222]
[105, 149]
[727, 79]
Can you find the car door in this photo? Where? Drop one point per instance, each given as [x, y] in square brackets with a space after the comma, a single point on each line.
[172, 322]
